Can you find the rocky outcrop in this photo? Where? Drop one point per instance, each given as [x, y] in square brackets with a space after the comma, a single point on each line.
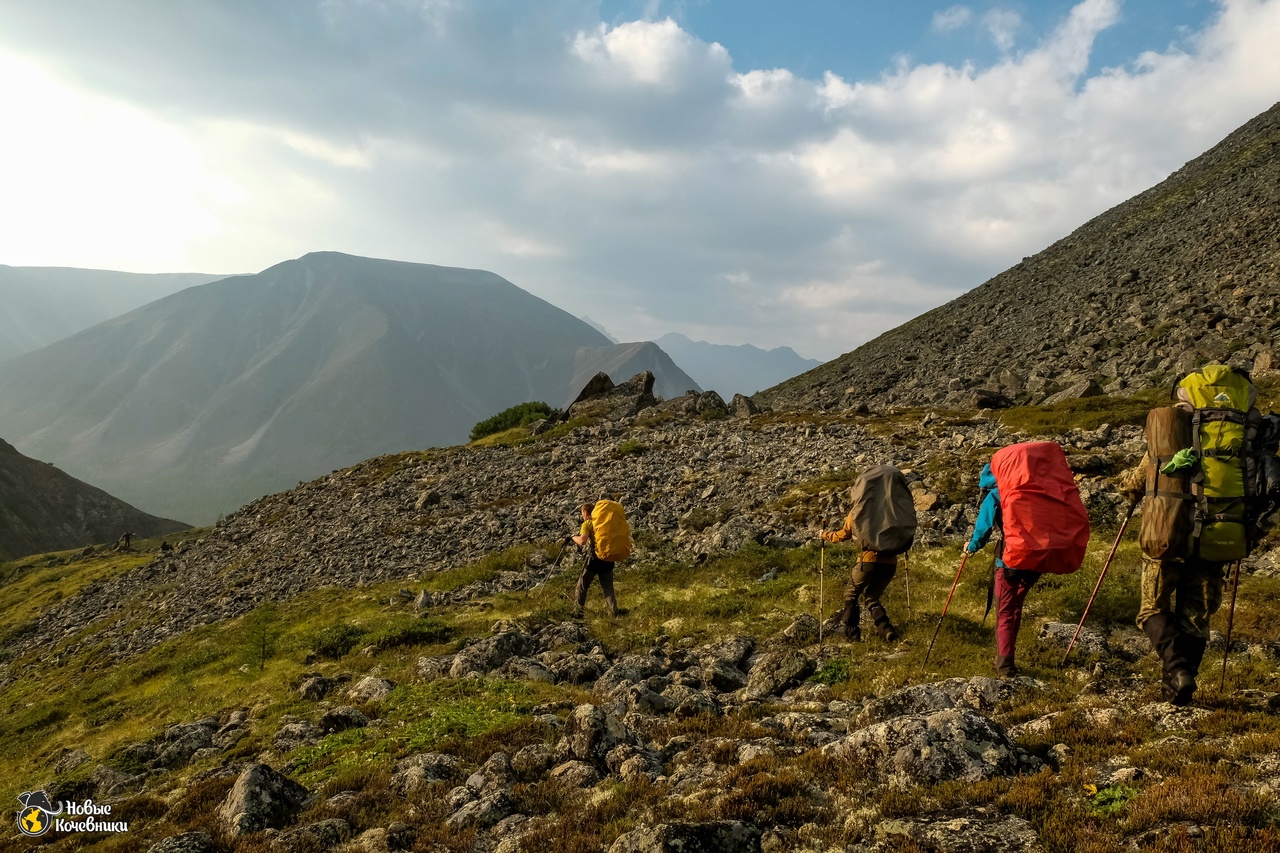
[718, 837]
[261, 798]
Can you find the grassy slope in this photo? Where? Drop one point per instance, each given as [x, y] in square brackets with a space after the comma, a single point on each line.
[76, 704]
[81, 702]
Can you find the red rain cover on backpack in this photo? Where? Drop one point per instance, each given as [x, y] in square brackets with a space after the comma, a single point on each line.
[1046, 528]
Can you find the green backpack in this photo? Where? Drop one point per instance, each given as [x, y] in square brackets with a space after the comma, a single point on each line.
[1224, 429]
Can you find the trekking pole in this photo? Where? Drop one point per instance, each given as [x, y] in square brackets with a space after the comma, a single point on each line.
[963, 560]
[906, 574]
[822, 573]
[1231, 617]
[1114, 547]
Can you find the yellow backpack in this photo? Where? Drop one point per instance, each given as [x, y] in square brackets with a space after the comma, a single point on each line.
[1224, 424]
[611, 532]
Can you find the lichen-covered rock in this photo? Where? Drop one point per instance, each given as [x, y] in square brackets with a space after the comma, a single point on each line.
[575, 774]
[981, 832]
[260, 798]
[532, 761]
[342, 718]
[978, 693]
[1059, 634]
[484, 811]
[490, 653]
[725, 836]
[322, 835]
[590, 733]
[632, 669]
[417, 771]
[942, 746]
[187, 842]
[774, 672]
[370, 689]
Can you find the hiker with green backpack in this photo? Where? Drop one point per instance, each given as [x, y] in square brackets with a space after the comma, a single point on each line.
[1209, 482]
[882, 524]
[607, 537]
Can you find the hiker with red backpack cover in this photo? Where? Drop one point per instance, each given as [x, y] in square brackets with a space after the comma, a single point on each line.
[1032, 500]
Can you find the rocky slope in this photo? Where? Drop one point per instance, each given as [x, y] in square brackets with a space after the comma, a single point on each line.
[1185, 272]
[206, 399]
[710, 717]
[44, 509]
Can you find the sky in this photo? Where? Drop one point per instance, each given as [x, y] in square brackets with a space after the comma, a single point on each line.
[807, 173]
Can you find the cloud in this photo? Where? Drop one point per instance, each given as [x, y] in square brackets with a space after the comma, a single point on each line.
[628, 163]
[1003, 25]
[953, 18]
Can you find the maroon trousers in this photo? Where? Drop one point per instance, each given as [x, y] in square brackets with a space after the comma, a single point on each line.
[1011, 590]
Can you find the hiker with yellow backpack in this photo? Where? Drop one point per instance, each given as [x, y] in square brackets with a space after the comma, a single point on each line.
[607, 538]
[1209, 480]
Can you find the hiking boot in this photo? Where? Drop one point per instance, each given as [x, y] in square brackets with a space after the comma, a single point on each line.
[577, 613]
[1179, 687]
[853, 632]
[890, 635]
[1005, 667]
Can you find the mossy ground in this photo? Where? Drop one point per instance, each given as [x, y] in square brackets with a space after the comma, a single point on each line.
[81, 701]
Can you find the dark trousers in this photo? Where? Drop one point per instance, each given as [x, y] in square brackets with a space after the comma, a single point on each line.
[868, 582]
[1012, 586]
[596, 568]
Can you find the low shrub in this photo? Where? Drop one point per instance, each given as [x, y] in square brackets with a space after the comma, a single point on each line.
[516, 416]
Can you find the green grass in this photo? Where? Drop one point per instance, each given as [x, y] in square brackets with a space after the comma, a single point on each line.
[78, 700]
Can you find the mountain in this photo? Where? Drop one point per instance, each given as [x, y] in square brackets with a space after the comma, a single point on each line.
[219, 393]
[599, 328]
[40, 305]
[731, 370]
[1185, 272]
[43, 509]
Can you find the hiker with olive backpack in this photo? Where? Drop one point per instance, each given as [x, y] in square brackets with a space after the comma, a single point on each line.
[1033, 503]
[1209, 482]
[607, 538]
[882, 524]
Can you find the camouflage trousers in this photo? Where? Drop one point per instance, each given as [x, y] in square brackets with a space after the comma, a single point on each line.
[1189, 591]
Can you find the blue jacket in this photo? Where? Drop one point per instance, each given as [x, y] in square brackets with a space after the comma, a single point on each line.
[988, 515]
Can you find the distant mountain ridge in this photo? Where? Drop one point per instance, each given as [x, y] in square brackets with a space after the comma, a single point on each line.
[1184, 272]
[44, 509]
[729, 370]
[40, 305]
[212, 396]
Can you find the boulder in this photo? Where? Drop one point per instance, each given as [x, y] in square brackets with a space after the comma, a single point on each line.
[322, 835]
[417, 771]
[342, 718]
[984, 831]
[743, 406]
[978, 693]
[483, 812]
[1080, 390]
[632, 669]
[370, 689]
[490, 653]
[590, 733]
[618, 402]
[187, 842]
[774, 672]
[575, 774]
[722, 836]
[260, 798]
[925, 749]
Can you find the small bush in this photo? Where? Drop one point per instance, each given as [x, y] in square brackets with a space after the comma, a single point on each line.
[630, 446]
[336, 640]
[410, 631]
[516, 416]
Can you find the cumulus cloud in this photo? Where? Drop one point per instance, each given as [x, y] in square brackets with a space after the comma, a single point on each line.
[954, 18]
[629, 160]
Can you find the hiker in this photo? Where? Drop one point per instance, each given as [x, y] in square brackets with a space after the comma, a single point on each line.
[607, 538]
[882, 524]
[1042, 524]
[1204, 480]
[124, 543]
